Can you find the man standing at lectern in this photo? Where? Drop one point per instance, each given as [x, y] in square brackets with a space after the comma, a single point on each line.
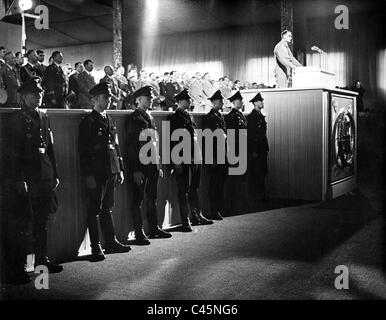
[285, 61]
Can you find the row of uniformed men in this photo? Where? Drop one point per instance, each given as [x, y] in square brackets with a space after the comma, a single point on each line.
[33, 174]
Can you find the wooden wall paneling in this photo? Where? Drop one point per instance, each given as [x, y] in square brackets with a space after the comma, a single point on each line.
[70, 219]
[122, 212]
[294, 125]
[167, 202]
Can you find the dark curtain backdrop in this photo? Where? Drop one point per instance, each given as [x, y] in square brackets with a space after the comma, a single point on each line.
[243, 53]
[354, 54]
[247, 53]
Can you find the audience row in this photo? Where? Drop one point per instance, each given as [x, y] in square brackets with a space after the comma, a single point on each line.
[69, 88]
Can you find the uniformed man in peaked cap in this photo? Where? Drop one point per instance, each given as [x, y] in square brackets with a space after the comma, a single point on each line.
[33, 177]
[217, 171]
[181, 119]
[102, 166]
[236, 185]
[257, 149]
[143, 178]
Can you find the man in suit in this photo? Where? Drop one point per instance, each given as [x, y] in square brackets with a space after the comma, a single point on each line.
[155, 91]
[73, 87]
[163, 91]
[55, 82]
[11, 80]
[172, 88]
[102, 166]
[3, 51]
[236, 184]
[143, 178]
[19, 60]
[257, 149]
[224, 88]
[181, 119]
[41, 57]
[30, 69]
[86, 81]
[285, 61]
[115, 91]
[214, 121]
[33, 178]
[207, 86]
[196, 91]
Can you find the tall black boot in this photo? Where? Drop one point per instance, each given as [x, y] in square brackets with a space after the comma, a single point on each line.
[140, 237]
[40, 237]
[112, 245]
[96, 249]
[184, 214]
[155, 230]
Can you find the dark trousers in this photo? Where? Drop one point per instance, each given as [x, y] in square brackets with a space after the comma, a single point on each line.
[41, 197]
[217, 176]
[19, 213]
[188, 182]
[146, 191]
[15, 222]
[101, 203]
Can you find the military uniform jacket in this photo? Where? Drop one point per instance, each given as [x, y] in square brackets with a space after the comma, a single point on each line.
[207, 88]
[99, 151]
[257, 133]
[136, 122]
[11, 82]
[172, 88]
[182, 120]
[196, 91]
[28, 71]
[73, 83]
[213, 121]
[114, 89]
[85, 82]
[31, 151]
[235, 120]
[55, 82]
[284, 58]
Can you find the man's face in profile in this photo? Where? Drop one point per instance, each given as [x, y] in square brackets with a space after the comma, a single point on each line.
[288, 37]
[41, 57]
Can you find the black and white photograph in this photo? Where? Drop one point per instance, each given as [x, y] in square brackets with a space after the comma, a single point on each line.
[194, 156]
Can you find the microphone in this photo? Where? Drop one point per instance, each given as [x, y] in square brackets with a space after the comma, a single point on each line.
[315, 48]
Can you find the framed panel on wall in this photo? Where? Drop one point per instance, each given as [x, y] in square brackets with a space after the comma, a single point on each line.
[343, 138]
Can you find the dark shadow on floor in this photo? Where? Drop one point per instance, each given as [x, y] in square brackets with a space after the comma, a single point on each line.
[308, 233]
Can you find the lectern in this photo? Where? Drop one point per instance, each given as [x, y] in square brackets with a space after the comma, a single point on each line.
[312, 77]
[312, 137]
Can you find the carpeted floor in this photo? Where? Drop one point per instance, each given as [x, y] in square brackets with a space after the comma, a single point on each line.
[287, 253]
